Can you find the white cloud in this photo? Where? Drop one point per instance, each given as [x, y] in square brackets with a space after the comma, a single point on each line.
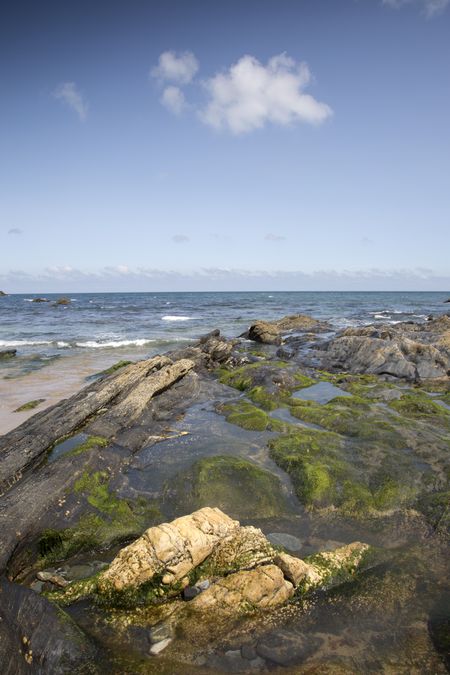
[179, 68]
[180, 238]
[250, 95]
[430, 7]
[15, 230]
[69, 93]
[173, 99]
[270, 236]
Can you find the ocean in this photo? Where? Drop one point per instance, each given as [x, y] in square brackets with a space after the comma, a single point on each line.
[59, 346]
[149, 321]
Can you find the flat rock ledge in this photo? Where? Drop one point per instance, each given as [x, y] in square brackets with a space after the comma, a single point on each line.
[216, 563]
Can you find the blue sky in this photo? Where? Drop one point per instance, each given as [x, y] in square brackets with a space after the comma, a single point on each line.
[225, 145]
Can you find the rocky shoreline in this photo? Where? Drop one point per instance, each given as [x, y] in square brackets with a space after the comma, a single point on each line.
[113, 509]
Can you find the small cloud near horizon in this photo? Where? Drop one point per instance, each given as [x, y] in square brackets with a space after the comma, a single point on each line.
[15, 230]
[430, 8]
[180, 238]
[70, 95]
[270, 236]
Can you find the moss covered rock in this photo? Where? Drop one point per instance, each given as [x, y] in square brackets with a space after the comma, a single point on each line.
[235, 485]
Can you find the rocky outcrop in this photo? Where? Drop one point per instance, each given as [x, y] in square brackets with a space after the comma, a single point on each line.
[130, 389]
[171, 550]
[3, 294]
[237, 569]
[40, 300]
[391, 351]
[37, 637]
[7, 354]
[63, 301]
[272, 332]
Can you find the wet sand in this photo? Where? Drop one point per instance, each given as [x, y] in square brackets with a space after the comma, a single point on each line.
[57, 380]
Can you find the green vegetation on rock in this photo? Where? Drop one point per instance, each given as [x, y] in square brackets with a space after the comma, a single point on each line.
[323, 474]
[91, 442]
[113, 519]
[114, 367]
[30, 405]
[235, 485]
[245, 415]
[419, 406]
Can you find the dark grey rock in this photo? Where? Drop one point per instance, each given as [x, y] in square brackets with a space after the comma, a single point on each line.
[37, 637]
[286, 648]
[191, 592]
[248, 652]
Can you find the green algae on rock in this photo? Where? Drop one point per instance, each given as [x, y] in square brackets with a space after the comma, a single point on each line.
[30, 405]
[235, 485]
[245, 415]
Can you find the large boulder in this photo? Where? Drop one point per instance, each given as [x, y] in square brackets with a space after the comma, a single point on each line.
[272, 332]
[170, 550]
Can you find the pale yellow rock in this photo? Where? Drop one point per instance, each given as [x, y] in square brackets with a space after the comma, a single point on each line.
[245, 548]
[261, 588]
[169, 549]
[296, 570]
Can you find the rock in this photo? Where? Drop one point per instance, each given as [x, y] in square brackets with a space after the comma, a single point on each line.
[42, 300]
[158, 647]
[296, 570]
[23, 447]
[30, 405]
[7, 354]
[159, 632]
[191, 592]
[286, 540]
[265, 332]
[444, 300]
[287, 648]
[244, 549]
[248, 652]
[55, 579]
[37, 637]
[271, 332]
[171, 548]
[63, 301]
[3, 294]
[385, 352]
[262, 587]
[235, 485]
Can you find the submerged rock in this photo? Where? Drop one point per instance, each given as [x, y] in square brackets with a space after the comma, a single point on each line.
[233, 484]
[7, 353]
[41, 300]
